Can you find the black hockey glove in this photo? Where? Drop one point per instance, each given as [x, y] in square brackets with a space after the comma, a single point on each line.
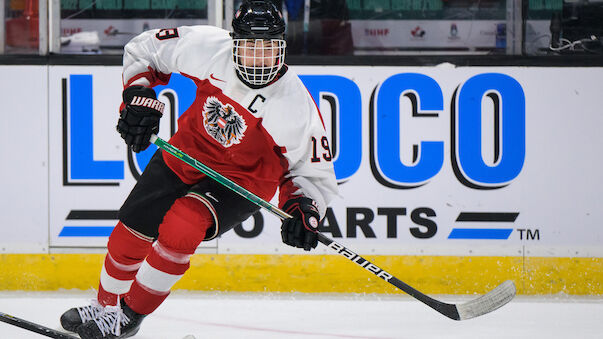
[140, 117]
[302, 229]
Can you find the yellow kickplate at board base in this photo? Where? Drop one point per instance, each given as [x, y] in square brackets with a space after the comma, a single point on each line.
[324, 273]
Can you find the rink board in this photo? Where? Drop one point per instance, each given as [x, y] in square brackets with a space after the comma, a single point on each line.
[325, 274]
[436, 164]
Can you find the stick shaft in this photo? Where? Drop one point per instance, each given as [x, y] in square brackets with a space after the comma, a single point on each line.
[340, 249]
[166, 146]
[33, 327]
[449, 310]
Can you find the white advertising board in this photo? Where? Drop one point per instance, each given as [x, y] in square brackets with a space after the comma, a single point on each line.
[24, 154]
[431, 160]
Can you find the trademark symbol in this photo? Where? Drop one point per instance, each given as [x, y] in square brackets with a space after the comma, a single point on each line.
[530, 234]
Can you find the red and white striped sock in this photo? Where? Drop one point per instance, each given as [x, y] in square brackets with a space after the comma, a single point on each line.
[126, 252]
[182, 230]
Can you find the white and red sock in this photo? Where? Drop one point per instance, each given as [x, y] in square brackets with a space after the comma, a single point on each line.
[182, 230]
[126, 251]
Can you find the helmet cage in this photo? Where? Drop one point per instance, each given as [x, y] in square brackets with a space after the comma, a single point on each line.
[258, 60]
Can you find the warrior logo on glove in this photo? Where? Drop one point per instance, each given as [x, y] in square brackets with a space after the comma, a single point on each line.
[140, 116]
[148, 102]
[223, 123]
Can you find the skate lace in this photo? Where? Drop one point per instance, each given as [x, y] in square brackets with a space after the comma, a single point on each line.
[90, 312]
[112, 320]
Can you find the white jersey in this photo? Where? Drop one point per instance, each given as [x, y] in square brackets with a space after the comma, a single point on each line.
[263, 139]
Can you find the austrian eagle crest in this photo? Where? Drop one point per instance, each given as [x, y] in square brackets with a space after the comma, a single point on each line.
[222, 122]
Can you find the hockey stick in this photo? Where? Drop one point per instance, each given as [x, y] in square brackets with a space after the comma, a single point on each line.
[486, 303]
[27, 325]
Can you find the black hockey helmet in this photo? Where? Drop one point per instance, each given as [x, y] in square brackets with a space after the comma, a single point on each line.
[259, 44]
[258, 20]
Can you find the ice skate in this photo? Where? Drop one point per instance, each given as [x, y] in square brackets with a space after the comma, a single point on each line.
[115, 322]
[75, 317]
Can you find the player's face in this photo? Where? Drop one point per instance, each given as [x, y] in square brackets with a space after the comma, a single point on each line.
[258, 61]
[259, 53]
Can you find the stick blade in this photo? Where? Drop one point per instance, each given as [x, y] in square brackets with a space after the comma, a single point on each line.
[488, 302]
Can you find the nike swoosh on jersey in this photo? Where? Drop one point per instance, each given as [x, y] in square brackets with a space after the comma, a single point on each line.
[212, 76]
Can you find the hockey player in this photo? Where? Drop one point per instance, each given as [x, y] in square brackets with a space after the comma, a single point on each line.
[252, 120]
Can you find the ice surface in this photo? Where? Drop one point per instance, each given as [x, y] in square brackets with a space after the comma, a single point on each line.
[235, 315]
